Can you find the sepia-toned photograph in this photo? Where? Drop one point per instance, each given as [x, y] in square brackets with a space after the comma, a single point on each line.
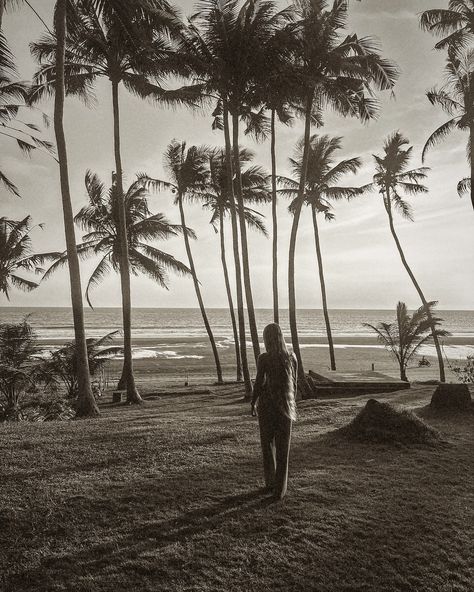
[236, 296]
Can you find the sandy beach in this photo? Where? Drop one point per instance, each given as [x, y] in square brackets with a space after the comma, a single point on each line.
[176, 360]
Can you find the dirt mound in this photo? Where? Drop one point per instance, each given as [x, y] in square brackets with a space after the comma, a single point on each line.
[382, 423]
[452, 397]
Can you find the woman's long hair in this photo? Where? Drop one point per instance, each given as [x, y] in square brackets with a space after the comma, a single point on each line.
[280, 378]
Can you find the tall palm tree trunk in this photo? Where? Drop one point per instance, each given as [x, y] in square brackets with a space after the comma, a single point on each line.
[243, 238]
[235, 243]
[291, 256]
[471, 144]
[128, 377]
[229, 298]
[276, 312]
[439, 353]
[86, 404]
[322, 282]
[2, 9]
[198, 291]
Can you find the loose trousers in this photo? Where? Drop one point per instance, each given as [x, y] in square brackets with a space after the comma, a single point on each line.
[275, 437]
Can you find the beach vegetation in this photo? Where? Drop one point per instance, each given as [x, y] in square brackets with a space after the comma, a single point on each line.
[409, 333]
[99, 219]
[394, 180]
[60, 366]
[20, 367]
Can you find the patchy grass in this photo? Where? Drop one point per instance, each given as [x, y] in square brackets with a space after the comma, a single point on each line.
[165, 497]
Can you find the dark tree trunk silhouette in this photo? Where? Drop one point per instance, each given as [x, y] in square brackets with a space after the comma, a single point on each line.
[291, 256]
[235, 242]
[471, 155]
[276, 312]
[243, 238]
[128, 379]
[229, 298]
[2, 9]
[322, 282]
[439, 353]
[86, 404]
[197, 289]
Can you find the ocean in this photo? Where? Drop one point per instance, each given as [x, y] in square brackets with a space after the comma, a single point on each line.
[164, 332]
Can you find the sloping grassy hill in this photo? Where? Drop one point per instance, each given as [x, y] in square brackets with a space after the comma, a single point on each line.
[165, 497]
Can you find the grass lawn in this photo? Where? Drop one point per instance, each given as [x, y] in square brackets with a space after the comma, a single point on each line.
[166, 497]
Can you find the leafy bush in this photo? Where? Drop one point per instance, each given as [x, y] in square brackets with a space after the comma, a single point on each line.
[465, 373]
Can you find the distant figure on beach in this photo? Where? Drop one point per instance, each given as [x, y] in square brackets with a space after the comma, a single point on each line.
[275, 389]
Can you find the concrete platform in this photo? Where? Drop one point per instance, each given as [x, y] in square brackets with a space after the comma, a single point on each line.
[333, 384]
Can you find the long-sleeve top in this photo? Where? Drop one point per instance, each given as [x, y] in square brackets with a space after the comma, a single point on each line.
[276, 382]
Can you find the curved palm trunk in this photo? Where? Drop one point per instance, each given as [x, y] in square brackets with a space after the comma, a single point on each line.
[322, 282]
[198, 292]
[439, 353]
[86, 404]
[229, 298]
[235, 242]
[276, 312]
[243, 239]
[291, 256]
[128, 377]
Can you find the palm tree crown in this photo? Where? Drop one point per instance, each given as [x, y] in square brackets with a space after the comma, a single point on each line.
[322, 175]
[454, 24]
[456, 98]
[393, 178]
[216, 196]
[100, 221]
[16, 255]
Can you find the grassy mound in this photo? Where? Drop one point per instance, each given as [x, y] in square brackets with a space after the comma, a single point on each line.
[452, 397]
[380, 422]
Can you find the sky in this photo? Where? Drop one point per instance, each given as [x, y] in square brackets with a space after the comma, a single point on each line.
[362, 266]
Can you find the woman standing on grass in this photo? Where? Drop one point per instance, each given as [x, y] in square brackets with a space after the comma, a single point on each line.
[275, 388]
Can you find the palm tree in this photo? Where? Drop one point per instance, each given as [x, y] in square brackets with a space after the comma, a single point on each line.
[19, 365]
[320, 190]
[404, 338]
[125, 48]
[335, 71]
[216, 199]
[100, 220]
[202, 50]
[60, 366]
[454, 24]
[87, 406]
[277, 90]
[392, 179]
[224, 48]
[188, 171]
[13, 95]
[456, 98]
[16, 255]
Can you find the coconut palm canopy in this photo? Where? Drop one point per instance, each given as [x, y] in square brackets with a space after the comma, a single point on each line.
[13, 96]
[255, 190]
[409, 333]
[456, 99]
[323, 175]
[17, 256]
[99, 219]
[393, 177]
[454, 24]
